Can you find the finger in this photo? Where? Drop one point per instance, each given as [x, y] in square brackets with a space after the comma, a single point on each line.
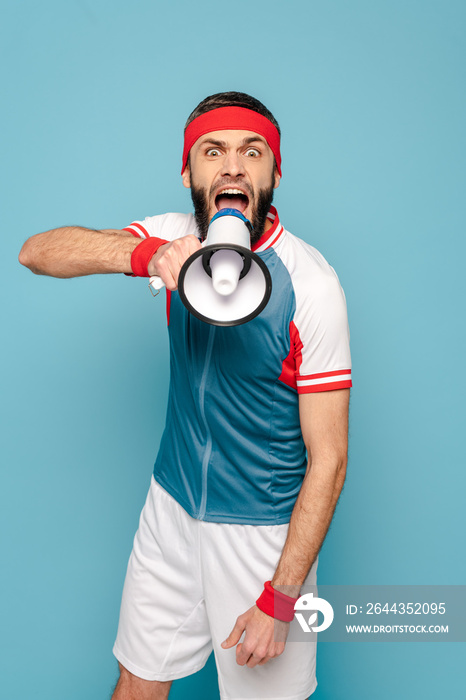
[168, 275]
[160, 266]
[242, 655]
[194, 240]
[188, 247]
[173, 262]
[234, 636]
[257, 657]
[170, 257]
[181, 252]
[173, 271]
[253, 661]
[247, 655]
[185, 247]
[264, 661]
[194, 244]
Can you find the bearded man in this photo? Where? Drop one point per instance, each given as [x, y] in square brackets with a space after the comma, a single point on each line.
[253, 456]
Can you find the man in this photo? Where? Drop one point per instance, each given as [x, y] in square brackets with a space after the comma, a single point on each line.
[235, 507]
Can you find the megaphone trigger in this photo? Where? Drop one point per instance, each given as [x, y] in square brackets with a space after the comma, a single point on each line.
[155, 285]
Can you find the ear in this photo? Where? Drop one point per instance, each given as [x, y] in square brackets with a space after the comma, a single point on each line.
[186, 177]
[277, 179]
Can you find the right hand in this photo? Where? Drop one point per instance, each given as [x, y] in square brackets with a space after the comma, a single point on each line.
[170, 257]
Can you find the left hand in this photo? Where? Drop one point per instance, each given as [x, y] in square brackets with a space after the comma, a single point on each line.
[264, 638]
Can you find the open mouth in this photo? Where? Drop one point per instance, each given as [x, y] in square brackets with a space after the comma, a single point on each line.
[232, 198]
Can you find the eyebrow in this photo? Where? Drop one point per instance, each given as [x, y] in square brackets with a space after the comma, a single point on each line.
[251, 139]
[223, 144]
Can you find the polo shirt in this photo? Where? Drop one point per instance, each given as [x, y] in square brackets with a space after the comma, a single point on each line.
[232, 449]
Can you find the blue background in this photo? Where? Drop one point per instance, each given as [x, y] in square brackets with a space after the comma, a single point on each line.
[370, 98]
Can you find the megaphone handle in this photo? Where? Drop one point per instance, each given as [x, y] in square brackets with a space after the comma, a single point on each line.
[156, 283]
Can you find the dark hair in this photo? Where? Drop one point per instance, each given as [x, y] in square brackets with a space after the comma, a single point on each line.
[231, 99]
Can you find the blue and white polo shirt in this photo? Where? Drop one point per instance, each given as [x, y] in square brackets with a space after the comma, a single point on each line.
[232, 449]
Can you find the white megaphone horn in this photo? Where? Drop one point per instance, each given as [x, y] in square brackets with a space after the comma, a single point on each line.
[224, 283]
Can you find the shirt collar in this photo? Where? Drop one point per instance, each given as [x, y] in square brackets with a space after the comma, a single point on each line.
[272, 236]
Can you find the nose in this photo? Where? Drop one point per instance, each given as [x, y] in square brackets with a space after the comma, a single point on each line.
[232, 164]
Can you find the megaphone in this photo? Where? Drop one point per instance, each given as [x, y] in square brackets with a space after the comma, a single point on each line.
[224, 283]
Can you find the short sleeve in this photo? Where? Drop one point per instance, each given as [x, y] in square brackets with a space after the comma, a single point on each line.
[322, 351]
[167, 227]
[319, 331]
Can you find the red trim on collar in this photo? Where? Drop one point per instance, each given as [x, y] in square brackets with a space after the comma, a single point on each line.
[272, 235]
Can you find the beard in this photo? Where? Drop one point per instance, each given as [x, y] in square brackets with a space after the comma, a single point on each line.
[259, 210]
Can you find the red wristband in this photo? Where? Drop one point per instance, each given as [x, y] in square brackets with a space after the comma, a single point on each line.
[142, 255]
[276, 604]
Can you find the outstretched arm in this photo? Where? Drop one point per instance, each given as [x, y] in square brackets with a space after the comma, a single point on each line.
[74, 251]
[324, 425]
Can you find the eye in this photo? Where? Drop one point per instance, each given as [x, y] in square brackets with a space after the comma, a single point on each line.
[252, 153]
[213, 152]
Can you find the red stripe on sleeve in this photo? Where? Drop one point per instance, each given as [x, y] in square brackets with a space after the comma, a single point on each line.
[321, 375]
[140, 227]
[330, 386]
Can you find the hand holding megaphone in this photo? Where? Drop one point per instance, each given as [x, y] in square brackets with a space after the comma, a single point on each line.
[223, 282]
[168, 260]
[225, 268]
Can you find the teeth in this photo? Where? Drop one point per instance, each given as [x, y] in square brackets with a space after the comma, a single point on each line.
[232, 191]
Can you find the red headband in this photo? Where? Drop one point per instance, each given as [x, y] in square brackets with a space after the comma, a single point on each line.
[224, 118]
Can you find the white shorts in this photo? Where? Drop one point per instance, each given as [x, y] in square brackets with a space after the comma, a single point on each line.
[187, 582]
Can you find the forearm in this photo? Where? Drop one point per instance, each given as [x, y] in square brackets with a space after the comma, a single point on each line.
[74, 251]
[310, 520]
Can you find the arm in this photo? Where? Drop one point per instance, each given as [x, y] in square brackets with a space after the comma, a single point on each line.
[74, 251]
[324, 424]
